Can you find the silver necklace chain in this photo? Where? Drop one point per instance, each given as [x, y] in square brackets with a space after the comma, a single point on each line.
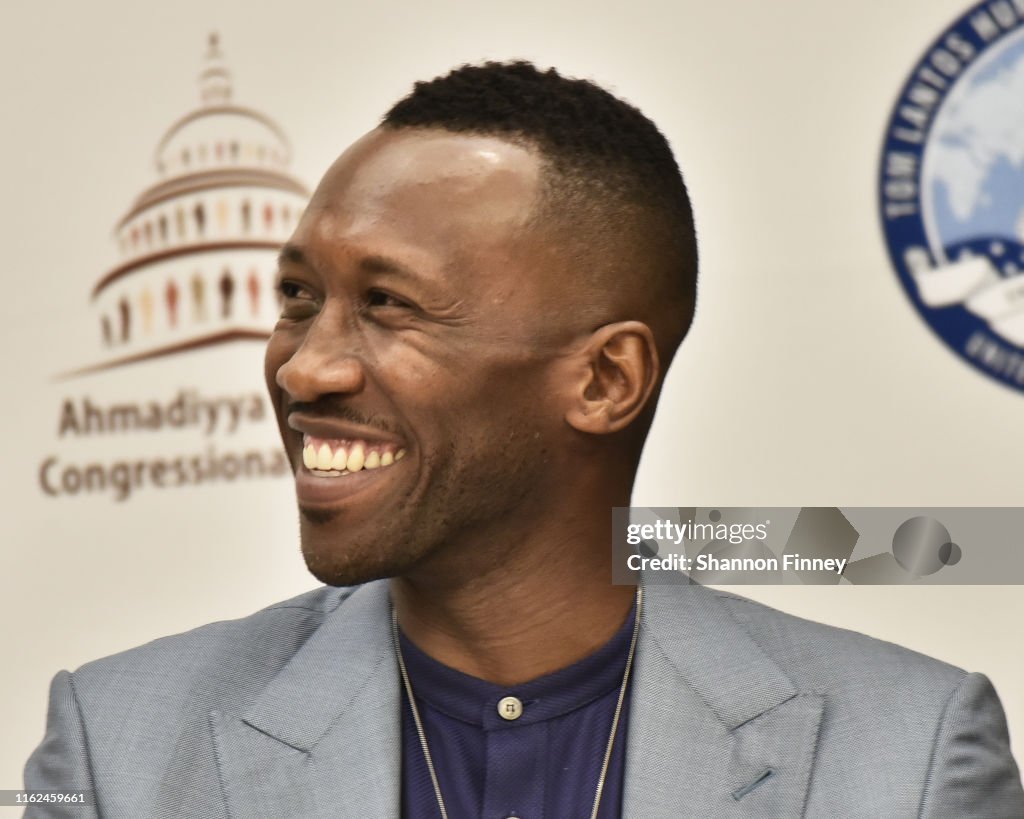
[611, 736]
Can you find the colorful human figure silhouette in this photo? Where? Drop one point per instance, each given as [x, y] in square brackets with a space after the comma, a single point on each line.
[253, 284]
[146, 309]
[163, 228]
[126, 317]
[179, 218]
[222, 215]
[268, 217]
[171, 299]
[227, 287]
[105, 326]
[200, 215]
[198, 297]
[246, 216]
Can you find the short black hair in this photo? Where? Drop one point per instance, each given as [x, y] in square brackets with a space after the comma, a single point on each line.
[613, 170]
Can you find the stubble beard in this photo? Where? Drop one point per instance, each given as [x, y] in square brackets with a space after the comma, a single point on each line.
[349, 560]
[462, 502]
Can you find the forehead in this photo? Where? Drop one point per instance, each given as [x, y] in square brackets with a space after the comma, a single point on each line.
[431, 196]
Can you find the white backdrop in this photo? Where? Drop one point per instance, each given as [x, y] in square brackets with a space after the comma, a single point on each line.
[808, 378]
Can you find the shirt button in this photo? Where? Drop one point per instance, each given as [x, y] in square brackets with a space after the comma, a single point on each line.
[510, 708]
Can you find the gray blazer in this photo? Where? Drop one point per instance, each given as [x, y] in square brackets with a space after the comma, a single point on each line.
[737, 710]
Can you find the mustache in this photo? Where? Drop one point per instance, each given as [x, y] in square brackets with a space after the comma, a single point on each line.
[344, 412]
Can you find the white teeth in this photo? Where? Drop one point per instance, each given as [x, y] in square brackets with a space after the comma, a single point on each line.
[356, 458]
[340, 459]
[324, 456]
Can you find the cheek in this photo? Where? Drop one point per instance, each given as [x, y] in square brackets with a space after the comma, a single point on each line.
[505, 405]
[479, 391]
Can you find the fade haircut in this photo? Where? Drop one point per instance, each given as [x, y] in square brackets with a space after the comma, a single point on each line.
[611, 183]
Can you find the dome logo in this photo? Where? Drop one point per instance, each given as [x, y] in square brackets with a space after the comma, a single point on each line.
[952, 188]
[196, 261]
[198, 248]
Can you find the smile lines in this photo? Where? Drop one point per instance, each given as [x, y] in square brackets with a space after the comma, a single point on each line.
[336, 457]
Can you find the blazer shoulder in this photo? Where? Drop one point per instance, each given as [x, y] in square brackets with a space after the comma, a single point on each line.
[825, 657]
[261, 641]
[935, 732]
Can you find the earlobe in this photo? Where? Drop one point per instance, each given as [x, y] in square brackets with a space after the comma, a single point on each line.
[619, 368]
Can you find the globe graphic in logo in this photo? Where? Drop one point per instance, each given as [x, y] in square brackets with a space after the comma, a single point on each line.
[952, 189]
[973, 175]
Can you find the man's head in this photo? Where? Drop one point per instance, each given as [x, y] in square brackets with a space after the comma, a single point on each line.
[613, 199]
[482, 295]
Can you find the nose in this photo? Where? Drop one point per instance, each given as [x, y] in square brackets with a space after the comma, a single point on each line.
[326, 362]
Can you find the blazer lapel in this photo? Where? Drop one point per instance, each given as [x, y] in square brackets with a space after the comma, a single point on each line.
[324, 738]
[715, 727]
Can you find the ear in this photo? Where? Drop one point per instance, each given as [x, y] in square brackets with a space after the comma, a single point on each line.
[618, 368]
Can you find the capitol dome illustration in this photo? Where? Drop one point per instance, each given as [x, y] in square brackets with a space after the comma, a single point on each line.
[198, 249]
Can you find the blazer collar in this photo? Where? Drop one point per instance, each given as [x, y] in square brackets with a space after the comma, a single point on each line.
[715, 727]
[324, 738]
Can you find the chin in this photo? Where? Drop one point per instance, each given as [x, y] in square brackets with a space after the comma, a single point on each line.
[347, 576]
[345, 562]
[341, 573]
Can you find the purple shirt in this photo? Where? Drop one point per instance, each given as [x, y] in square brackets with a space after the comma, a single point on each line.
[544, 764]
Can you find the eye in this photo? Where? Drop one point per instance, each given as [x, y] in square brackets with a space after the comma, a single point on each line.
[295, 302]
[290, 290]
[381, 298]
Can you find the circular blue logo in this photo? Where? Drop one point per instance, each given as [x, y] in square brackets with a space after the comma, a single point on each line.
[951, 188]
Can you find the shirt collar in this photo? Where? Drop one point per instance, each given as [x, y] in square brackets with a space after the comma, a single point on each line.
[475, 701]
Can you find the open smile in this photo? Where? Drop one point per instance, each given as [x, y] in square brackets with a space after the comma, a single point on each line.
[365, 469]
[340, 460]
[337, 457]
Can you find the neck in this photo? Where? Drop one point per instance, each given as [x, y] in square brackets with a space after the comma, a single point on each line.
[536, 608]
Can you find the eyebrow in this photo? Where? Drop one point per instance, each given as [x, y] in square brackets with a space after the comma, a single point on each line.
[293, 255]
[374, 263]
[382, 264]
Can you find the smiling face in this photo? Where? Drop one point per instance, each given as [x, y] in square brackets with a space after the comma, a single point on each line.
[415, 368]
